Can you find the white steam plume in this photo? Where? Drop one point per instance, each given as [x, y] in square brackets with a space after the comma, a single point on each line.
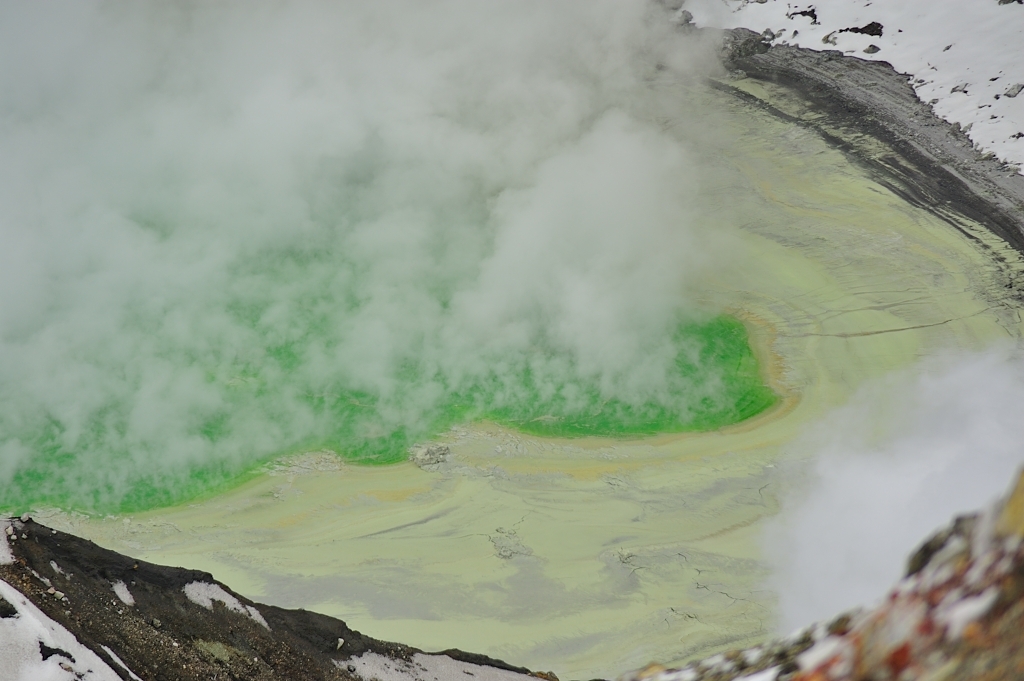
[198, 199]
[898, 462]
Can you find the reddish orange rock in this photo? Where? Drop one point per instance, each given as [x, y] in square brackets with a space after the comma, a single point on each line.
[899, 659]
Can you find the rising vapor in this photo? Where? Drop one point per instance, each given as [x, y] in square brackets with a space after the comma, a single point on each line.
[880, 474]
[233, 231]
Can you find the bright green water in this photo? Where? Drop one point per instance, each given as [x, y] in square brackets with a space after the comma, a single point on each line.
[295, 231]
[723, 371]
[715, 382]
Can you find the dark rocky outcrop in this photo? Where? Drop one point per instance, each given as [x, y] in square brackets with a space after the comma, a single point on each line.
[166, 636]
[863, 106]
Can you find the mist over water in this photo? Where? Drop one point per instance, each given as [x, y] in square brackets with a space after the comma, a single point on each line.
[235, 231]
[879, 475]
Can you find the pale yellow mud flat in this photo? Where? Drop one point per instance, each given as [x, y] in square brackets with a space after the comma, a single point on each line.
[591, 557]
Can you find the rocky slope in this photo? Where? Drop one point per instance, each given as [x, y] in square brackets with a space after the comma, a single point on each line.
[958, 58]
[957, 615]
[138, 620]
[872, 113]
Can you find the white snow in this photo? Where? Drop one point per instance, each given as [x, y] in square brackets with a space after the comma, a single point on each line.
[957, 616]
[965, 58]
[821, 652]
[117, 661]
[42, 579]
[204, 594]
[20, 655]
[687, 674]
[425, 668]
[713, 661]
[6, 557]
[123, 593]
[979, 567]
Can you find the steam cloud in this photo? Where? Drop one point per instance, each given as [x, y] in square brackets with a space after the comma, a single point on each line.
[198, 200]
[899, 461]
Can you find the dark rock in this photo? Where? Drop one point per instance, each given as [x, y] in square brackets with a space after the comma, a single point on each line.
[47, 652]
[873, 29]
[741, 43]
[166, 637]
[962, 526]
[6, 609]
[810, 13]
[923, 555]
[840, 625]
[872, 49]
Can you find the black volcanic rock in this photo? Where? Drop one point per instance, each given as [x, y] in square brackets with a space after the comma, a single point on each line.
[166, 636]
[874, 29]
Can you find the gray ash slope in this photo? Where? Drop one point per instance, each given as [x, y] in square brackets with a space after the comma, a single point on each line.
[870, 111]
[166, 636]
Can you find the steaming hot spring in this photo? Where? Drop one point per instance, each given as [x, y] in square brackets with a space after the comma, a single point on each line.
[490, 326]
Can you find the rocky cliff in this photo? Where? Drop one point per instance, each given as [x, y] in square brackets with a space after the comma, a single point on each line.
[70, 609]
[958, 614]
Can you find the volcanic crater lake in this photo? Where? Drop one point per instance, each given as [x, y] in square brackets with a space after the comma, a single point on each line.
[591, 545]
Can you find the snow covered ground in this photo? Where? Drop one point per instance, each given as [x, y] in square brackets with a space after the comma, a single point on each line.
[964, 58]
[32, 646]
[35, 648]
[424, 667]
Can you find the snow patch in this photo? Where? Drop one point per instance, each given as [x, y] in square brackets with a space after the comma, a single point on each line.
[6, 556]
[425, 668]
[122, 592]
[957, 616]
[204, 594]
[118, 662]
[20, 656]
[821, 652]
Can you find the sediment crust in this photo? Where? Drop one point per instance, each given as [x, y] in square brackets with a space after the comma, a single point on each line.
[932, 165]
